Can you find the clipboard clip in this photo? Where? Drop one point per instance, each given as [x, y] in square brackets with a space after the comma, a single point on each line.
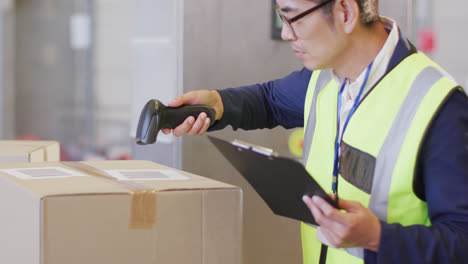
[259, 149]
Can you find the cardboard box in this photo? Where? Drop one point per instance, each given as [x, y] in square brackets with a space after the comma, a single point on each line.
[112, 212]
[29, 151]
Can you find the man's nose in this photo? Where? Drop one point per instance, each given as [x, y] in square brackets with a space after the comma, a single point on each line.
[287, 33]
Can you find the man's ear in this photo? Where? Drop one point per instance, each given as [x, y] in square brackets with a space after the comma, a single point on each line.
[348, 15]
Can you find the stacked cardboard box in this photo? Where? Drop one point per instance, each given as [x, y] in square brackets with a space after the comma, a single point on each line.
[29, 151]
[111, 212]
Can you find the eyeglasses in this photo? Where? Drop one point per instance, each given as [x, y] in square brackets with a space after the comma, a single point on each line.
[288, 21]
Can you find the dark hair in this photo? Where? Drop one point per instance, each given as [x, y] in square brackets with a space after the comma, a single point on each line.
[368, 10]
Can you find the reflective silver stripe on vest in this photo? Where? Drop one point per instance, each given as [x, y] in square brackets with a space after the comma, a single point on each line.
[390, 150]
[322, 81]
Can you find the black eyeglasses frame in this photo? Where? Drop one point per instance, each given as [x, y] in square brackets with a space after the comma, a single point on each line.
[289, 21]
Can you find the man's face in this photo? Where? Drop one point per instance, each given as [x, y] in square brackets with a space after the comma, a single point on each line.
[317, 42]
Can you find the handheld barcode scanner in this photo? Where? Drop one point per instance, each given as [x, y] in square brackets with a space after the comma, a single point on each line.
[156, 116]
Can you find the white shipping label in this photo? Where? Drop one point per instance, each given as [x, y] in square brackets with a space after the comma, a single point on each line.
[42, 173]
[146, 175]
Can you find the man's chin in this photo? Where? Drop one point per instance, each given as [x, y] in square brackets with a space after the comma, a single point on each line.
[310, 66]
[313, 65]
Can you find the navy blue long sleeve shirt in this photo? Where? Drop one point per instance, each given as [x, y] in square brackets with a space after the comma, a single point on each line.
[441, 178]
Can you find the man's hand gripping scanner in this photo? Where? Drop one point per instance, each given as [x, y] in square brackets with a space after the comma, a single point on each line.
[156, 116]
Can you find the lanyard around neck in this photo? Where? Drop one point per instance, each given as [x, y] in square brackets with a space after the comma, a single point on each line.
[338, 138]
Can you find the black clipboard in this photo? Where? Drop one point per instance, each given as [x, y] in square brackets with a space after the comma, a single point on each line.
[280, 181]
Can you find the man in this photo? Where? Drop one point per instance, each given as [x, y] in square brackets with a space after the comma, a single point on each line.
[386, 128]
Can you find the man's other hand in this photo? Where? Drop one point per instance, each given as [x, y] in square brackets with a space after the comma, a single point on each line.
[353, 225]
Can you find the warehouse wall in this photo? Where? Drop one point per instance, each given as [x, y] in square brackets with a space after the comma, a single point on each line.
[77, 95]
[112, 75]
[53, 85]
[8, 102]
[397, 10]
[449, 22]
[43, 68]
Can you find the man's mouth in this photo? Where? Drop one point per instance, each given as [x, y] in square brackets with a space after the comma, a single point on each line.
[299, 53]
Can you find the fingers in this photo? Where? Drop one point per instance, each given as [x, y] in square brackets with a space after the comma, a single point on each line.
[316, 212]
[189, 98]
[192, 127]
[324, 214]
[205, 127]
[184, 127]
[357, 226]
[201, 97]
[179, 100]
[330, 211]
[198, 125]
[349, 206]
[331, 237]
[176, 102]
[327, 210]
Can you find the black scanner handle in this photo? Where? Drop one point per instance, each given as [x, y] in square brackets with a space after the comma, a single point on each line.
[174, 116]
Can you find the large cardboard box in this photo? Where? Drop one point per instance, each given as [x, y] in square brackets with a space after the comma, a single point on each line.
[111, 212]
[29, 151]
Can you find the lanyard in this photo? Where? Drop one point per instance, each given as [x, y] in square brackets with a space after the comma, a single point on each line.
[338, 139]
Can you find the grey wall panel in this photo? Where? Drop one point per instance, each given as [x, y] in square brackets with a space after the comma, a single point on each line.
[9, 74]
[449, 21]
[445, 18]
[2, 73]
[43, 71]
[52, 80]
[397, 10]
[227, 44]
[147, 23]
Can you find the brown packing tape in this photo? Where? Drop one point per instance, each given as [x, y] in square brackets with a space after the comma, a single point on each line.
[143, 207]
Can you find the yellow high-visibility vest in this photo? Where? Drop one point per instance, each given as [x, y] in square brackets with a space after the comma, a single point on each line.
[380, 145]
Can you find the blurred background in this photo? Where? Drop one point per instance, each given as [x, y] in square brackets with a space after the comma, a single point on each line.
[79, 72]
